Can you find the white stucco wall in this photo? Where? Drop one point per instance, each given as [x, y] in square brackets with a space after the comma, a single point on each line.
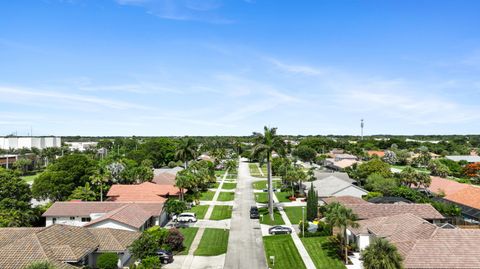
[363, 241]
[77, 221]
[112, 224]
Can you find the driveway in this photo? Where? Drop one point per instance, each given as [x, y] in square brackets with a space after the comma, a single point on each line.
[245, 245]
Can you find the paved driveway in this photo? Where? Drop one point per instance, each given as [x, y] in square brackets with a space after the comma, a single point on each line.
[245, 245]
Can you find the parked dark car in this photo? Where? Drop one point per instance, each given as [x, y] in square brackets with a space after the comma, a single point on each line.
[165, 256]
[279, 230]
[254, 212]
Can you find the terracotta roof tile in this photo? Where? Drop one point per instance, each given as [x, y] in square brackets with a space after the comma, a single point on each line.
[84, 209]
[58, 244]
[457, 192]
[368, 210]
[146, 191]
[130, 214]
[344, 200]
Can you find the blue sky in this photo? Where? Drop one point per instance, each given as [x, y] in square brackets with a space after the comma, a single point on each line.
[229, 67]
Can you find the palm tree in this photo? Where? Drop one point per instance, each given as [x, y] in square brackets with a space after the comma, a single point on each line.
[265, 145]
[183, 180]
[98, 178]
[341, 217]
[186, 150]
[381, 254]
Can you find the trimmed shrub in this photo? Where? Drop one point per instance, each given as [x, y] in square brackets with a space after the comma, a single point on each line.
[151, 262]
[107, 261]
[174, 240]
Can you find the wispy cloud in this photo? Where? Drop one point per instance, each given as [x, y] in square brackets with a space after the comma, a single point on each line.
[183, 10]
[297, 69]
[22, 94]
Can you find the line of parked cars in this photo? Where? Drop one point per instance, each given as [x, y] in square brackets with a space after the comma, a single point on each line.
[254, 214]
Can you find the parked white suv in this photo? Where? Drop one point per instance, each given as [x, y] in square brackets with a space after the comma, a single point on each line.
[187, 217]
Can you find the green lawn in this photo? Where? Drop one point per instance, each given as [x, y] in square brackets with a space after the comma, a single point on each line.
[322, 254]
[277, 218]
[30, 178]
[262, 184]
[229, 186]
[283, 196]
[254, 172]
[226, 196]
[207, 196]
[294, 213]
[214, 242]
[220, 173]
[221, 212]
[214, 185]
[188, 234]
[199, 210]
[421, 169]
[231, 176]
[285, 253]
[261, 197]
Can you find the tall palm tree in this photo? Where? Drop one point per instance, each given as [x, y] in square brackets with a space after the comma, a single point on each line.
[265, 145]
[341, 217]
[183, 180]
[99, 178]
[381, 254]
[186, 150]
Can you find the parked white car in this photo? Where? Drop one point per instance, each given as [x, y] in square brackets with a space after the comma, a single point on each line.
[187, 217]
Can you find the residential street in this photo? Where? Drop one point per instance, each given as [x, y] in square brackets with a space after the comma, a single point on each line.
[245, 246]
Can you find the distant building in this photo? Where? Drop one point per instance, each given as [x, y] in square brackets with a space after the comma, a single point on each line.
[29, 142]
[7, 160]
[81, 146]
[467, 158]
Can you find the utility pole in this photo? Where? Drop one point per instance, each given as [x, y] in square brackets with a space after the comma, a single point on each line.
[361, 127]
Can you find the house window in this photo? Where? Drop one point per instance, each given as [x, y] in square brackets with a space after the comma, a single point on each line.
[72, 218]
[86, 219]
[54, 220]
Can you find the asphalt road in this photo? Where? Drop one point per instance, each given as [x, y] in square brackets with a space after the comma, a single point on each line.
[245, 244]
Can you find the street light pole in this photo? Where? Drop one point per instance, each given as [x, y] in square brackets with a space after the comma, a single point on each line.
[303, 222]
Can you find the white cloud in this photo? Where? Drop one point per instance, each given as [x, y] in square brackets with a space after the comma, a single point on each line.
[297, 69]
[16, 95]
[183, 10]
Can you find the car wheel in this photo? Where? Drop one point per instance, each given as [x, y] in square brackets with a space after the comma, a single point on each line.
[189, 220]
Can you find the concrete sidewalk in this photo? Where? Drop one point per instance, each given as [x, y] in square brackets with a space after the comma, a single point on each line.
[296, 240]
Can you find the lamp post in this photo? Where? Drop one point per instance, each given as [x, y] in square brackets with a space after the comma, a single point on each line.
[303, 222]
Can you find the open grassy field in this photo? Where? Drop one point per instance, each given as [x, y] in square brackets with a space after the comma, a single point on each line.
[322, 253]
[277, 218]
[207, 196]
[199, 210]
[188, 234]
[285, 253]
[294, 213]
[221, 212]
[229, 186]
[214, 242]
[226, 196]
[419, 169]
